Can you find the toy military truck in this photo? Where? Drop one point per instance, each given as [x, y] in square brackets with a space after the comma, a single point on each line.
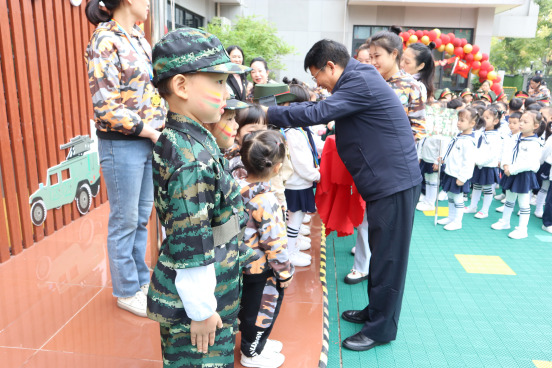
[78, 178]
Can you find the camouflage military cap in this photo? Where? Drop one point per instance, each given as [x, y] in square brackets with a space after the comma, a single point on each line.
[279, 90]
[187, 50]
[234, 104]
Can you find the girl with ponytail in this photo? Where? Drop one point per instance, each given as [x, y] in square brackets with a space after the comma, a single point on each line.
[129, 115]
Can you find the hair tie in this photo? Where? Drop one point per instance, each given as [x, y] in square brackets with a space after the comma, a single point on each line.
[268, 163]
[102, 4]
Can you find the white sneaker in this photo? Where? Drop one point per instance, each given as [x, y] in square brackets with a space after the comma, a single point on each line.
[303, 243]
[518, 233]
[503, 201]
[442, 196]
[453, 226]
[298, 260]
[353, 250]
[424, 206]
[533, 201]
[306, 220]
[136, 304]
[422, 197]
[539, 214]
[500, 197]
[273, 345]
[500, 209]
[500, 225]
[267, 359]
[470, 209]
[354, 277]
[547, 228]
[304, 230]
[444, 221]
[481, 215]
[465, 197]
[304, 238]
[145, 288]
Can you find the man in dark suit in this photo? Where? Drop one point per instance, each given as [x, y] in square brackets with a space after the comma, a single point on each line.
[374, 139]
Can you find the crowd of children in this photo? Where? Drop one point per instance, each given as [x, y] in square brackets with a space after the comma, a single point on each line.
[499, 147]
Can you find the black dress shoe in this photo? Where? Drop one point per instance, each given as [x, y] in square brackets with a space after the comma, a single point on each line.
[354, 316]
[359, 342]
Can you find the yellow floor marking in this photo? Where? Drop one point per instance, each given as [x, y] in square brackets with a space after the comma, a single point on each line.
[493, 265]
[441, 212]
[542, 364]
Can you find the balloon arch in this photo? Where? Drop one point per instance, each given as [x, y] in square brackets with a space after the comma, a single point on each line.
[464, 55]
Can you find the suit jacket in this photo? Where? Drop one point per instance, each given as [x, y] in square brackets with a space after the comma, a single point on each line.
[234, 86]
[373, 134]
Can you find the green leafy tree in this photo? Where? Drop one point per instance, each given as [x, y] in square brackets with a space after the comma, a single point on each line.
[256, 36]
[515, 54]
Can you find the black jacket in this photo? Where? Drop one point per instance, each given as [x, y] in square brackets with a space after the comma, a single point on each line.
[373, 134]
[233, 83]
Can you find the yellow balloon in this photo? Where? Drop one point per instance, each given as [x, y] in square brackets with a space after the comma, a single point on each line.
[492, 75]
[468, 48]
[475, 71]
[425, 40]
[438, 32]
[413, 39]
[477, 56]
[441, 48]
[449, 48]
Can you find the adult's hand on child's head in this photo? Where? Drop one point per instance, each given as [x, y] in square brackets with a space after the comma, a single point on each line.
[202, 333]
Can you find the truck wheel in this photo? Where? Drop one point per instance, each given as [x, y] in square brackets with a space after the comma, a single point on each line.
[83, 199]
[38, 213]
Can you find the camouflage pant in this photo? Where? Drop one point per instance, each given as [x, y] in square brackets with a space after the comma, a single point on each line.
[178, 351]
[260, 305]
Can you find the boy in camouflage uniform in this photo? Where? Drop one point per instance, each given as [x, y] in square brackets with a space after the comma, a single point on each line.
[194, 291]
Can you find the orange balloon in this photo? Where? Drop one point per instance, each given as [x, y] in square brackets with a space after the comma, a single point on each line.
[475, 71]
[492, 75]
[441, 48]
[477, 56]
[468, 48]
[449, 48]
[413, 39]
[425, 40]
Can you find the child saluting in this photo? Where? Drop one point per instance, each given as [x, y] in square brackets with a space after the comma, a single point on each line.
[194, 291]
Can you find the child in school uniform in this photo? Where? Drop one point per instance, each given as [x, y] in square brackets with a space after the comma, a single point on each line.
[195, 286]
[485, 174]
[429, 150]
[459, 160]
[264, 280]
[546, 161]
[508, 141]
[519, 168]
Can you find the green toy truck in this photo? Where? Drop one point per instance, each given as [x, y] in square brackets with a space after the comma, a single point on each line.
[78, 178]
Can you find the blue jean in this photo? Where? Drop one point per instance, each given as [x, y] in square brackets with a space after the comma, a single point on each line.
[127, 171]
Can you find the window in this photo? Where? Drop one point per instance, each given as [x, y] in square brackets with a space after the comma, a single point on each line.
[443, 78]
[183, 18]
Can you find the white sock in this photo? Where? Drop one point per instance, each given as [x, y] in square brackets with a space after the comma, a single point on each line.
[487, 198]
[476, 196]
[541, 197]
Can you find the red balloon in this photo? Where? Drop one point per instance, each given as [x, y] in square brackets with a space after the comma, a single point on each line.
[464, 42]
[432, 35]
[485, 65]
[483, 73]
[419, 34]
[496, 88]
[411, 31]
[458, 51]
[468, 58]
[445, 39]
[456, 42]
[484, 57]
[476, 65]
[425, 32]
[405, 36]
[498, 79]
[491, 68]
[475, 49]
[437, 41]
[451, 36]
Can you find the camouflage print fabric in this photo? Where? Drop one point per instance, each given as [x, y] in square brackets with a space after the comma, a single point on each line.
[179, 352]
[266, 232]
[261, 301]
[193, 194]
[119, 77]
[203, 53]
[409, 91]
[235, 163]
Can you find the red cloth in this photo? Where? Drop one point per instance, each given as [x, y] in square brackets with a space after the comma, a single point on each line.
[338, 202]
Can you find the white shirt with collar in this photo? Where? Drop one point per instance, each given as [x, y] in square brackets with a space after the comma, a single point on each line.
[460, 157]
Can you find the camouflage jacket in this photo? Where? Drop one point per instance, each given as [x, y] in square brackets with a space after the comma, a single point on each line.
[195, 197]
[411, 96]
[235, 163]
[119, 79]
[266, 232]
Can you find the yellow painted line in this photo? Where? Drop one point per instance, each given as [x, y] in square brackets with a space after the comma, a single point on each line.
[441, 212]
[492, 265]
[542, 364]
